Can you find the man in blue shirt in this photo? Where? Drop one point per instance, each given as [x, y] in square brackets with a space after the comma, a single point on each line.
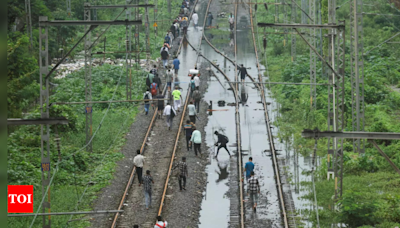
[176, 64]
[248, 168]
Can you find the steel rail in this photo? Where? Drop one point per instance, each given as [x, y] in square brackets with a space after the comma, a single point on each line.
[131, 177]
[238, 130]
[180, 124]
[270, 136]
[229, 59]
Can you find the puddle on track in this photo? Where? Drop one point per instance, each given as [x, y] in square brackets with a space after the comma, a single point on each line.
[215, 208]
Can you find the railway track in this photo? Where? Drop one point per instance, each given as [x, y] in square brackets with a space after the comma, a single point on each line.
[270, 136]
[142, 149]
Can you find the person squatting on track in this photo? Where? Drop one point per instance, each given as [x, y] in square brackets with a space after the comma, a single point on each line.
[196, 140]
[138, 162]
[222, 140]
[192, 112]
[170, 113]
[147, 96]
[177, 98]
[183, 173]
[253, 189]
[160, 104]
[147, 183]
[161, 223]
[188, 128]
[248, 168]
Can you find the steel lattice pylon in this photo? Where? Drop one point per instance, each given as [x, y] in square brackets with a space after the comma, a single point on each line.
[147, 32]
[44, 112]
[293, 36]
[136, 37]
[88, 81]
[69, 7]
[313, 57]
[357, 72]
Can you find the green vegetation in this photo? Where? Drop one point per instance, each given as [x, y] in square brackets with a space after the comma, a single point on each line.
[371, 196]
[79, 171]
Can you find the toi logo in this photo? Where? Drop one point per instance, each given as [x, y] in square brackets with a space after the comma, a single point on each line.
[20, 198]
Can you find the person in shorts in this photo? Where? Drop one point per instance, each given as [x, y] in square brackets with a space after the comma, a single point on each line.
[160, 104]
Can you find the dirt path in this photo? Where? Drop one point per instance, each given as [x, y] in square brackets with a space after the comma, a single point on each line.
[110, 196]
[181, 209]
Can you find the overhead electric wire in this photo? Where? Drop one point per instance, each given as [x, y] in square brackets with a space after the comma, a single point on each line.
[101, 163]
[82, 148]
[382, 43]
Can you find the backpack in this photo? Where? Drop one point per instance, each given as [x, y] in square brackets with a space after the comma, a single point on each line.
[164, 54]
[153, 89]
[224, 138]
[172, 113]
[146, 97]
[167, 39]
[192, 85]
[148, 81]
[172, 28]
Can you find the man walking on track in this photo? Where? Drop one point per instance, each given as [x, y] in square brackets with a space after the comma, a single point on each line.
[196, 140]
[147, 96]
[160, 104]
[183, 172]
[243, 72]
[147, 182]
[195, 19]
[138, 162]
[153, 89]
[197, 81]
[248, 168]
[154, 70]
[192, 112]
[169, 112]
[188, 132]
[222, 140]
[168, 78]
[196, 97]
[164, 56]
[254, 189]
[177, 98]
[176, 64]
[161, 223]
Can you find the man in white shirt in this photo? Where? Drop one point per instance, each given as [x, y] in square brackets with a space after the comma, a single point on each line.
[195, 19]
[197, 81]
[138, 162]
[168, 110]
[160, 223]
[192, 112]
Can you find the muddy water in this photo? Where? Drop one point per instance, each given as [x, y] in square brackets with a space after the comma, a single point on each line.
[216, 204]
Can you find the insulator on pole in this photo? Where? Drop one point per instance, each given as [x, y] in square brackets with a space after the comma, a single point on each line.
[265, 42]
[266, 6]
[255, 7]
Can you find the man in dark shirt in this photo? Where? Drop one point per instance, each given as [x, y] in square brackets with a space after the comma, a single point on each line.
[183, 173]
[154, 70]
[188, 130]
[147, 182]
[222, 141]
[243, 72]
[160, 104]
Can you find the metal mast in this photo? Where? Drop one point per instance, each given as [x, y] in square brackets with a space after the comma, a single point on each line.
[313, 57]
[147, 32]
[44, 113]
[128, 55]
[29, 21]
[293, 36]
[69, 7]
[357, 72]
[88, 79]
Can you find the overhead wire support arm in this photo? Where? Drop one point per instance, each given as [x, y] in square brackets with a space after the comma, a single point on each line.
[119, 6]
[294, 26]
[69, 23]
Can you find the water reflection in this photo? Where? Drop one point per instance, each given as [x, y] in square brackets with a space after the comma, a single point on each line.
[223, 171]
